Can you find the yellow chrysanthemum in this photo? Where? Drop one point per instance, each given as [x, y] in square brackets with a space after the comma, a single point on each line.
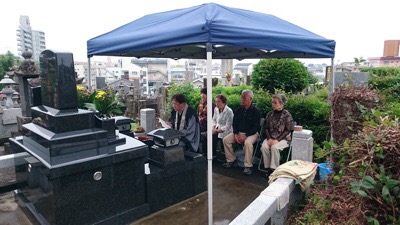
[101, 95]
[79, 88]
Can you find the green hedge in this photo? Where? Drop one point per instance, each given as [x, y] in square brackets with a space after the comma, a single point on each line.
[388, 86]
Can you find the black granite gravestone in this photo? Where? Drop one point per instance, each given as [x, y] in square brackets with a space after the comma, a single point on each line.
[58, 80]
[79, 170]
[36, 96]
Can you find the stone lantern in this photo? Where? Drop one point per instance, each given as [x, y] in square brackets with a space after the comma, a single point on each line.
[8, 91]
[27, 70]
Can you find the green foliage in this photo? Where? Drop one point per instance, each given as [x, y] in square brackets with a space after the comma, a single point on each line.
[104, 102]
[193, 97]
[312, 79]
[388, 86]
[386, 80]
[191, 94]
[289, 75]
[370, 162]
[312, 113]
[262, 99]
[382, 71]
[83, 96]
[6, 62]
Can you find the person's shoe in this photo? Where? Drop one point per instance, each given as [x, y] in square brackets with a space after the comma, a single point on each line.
[228, 164]
[247, 171]
[269, 172]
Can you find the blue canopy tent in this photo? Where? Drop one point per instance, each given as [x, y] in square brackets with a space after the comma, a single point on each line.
[211, 31]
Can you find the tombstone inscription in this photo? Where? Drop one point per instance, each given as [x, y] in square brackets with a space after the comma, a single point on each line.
[58, 84]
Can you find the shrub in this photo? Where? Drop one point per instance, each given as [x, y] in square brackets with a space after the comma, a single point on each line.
[348, 106]
[191, 94]
[311, 113]
[388, 86]
[83, 96]
[104, 102]
[289, 75]
[383, 71]
[364, 188]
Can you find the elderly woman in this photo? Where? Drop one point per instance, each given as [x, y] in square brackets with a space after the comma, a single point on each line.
[278, 123]
[222, 120]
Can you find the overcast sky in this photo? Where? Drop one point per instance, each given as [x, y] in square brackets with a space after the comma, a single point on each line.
[358, 27]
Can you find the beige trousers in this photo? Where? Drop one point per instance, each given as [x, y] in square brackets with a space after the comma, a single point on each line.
[272, 155]
[248, 148]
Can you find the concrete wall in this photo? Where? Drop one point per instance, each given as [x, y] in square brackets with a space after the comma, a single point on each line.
[271, 207]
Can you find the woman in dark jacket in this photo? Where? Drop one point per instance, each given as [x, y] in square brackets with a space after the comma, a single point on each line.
[278, 123]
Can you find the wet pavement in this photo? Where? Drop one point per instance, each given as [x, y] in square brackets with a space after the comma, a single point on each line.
[230, 197]
[232, 193]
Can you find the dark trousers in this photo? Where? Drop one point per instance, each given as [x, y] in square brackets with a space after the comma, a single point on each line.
[214, 144]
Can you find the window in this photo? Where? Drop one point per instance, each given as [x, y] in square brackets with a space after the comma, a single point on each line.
[385, 62]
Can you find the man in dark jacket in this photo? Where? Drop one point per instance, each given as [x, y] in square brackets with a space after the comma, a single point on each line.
[246, 124]
[184, 118]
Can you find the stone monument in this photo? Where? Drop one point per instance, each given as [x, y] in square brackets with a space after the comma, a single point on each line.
[148, 119]
[302, 145]
[10, 111]
[25, 71]
[131, 103]
[79, 170]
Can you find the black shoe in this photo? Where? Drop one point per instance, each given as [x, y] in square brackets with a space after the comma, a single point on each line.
[269, 172]
[247, 170]
[229, 164]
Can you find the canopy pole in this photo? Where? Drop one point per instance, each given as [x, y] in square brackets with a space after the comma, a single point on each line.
[333, 90]
[209, 133]
[333, 75]
[89, 77]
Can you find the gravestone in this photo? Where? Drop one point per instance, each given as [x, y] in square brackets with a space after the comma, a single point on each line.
[148, 119]
[353, 79]
[58, 80]
[79, 170]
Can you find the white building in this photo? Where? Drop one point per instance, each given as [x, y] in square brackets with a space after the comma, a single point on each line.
[125, 69]
[28, 39]
[178, 75]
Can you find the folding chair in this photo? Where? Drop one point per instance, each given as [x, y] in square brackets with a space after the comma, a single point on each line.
[288, 150]
[283, 152]
[259, 139]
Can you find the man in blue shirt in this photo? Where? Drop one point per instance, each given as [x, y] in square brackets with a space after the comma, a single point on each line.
[246, 124]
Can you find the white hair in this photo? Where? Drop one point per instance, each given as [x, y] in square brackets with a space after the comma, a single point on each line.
[248, 93]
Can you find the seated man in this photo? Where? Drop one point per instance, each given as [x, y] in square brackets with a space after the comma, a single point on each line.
[184, 118]
[246, 124]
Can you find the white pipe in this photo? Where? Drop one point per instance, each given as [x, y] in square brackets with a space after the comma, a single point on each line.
[89, 78]
[333, 75]
[333, 90]
[209, 133]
